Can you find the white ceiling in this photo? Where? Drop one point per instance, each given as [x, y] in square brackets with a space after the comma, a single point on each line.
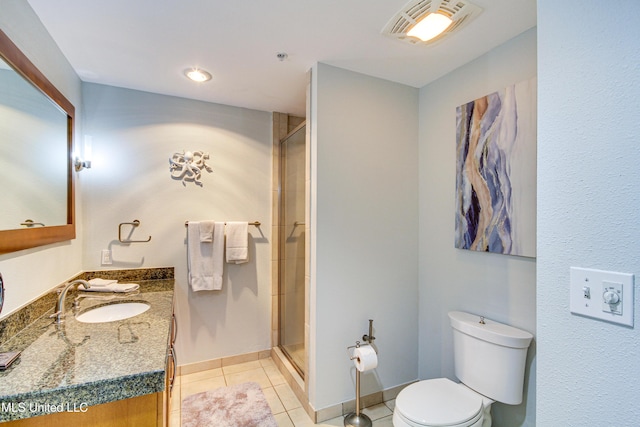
[147, 44]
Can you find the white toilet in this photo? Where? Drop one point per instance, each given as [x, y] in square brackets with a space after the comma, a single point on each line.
[490, 363]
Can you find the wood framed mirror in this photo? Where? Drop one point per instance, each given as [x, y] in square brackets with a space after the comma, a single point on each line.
[22, 125]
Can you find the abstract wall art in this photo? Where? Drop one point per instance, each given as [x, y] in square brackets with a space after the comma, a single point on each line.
[496, 172]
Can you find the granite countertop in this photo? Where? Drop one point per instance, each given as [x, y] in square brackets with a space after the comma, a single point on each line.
[75, 365]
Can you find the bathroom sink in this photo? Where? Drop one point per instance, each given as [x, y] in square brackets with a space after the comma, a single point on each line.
[113, 312]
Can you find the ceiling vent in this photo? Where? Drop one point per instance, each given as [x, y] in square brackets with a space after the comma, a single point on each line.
[461, 12]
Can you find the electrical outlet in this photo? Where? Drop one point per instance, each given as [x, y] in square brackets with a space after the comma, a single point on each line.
[106, 257]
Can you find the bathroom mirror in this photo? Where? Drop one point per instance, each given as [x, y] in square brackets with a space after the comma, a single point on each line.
[36, 129]
[1, 293]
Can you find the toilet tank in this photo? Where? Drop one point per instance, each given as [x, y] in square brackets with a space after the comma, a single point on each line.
[490, 357]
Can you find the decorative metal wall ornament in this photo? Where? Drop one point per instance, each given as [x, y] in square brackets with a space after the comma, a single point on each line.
[188, 166]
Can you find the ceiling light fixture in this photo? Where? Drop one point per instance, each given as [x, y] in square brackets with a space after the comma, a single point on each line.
[430, 27]
[449, 15]
[197, 75]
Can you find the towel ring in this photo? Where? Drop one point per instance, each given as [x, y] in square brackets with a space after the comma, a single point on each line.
[135, 223]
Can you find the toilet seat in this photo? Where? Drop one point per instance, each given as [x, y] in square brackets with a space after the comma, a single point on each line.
[438, 403]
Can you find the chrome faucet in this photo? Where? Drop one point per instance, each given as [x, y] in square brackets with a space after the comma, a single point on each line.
[124, 295]
[59, 312]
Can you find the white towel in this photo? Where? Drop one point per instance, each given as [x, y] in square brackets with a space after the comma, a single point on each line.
[237, 242]
[206, 231]
[205, 258]
[113, 287]
[101, 282]
[218, 255]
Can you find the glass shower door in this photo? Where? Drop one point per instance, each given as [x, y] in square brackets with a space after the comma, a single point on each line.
[292, 248]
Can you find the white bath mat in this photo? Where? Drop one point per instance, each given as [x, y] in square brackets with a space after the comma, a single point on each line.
[242, 405]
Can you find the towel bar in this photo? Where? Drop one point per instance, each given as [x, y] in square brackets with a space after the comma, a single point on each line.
[256, 223]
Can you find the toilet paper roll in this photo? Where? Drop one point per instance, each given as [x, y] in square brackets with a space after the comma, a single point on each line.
[365, 358]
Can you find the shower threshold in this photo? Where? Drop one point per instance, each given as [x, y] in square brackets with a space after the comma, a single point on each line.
[295, 355]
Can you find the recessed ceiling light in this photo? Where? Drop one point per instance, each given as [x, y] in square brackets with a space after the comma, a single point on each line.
[197, 75]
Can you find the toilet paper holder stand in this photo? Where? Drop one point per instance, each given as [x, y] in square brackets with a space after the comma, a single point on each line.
[369, 338]
[356, 419]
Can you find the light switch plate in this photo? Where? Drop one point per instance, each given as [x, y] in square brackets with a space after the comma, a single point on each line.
[587, 289]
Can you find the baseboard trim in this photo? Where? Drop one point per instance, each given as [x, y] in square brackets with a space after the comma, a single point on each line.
[192, 368]
[348, 407]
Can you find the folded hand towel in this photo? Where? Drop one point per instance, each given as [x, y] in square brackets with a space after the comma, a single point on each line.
[113, 287]
[237, 242]
[205, 258]
[206, 231]
[101, 282]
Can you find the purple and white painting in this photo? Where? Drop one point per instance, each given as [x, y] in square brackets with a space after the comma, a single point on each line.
[496, 172]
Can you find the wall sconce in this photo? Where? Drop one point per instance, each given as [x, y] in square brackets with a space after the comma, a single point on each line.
[82, 160]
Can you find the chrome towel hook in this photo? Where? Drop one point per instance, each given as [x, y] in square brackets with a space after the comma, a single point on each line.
[134, 224]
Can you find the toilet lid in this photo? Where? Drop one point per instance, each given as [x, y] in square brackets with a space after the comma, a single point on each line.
[438, 402]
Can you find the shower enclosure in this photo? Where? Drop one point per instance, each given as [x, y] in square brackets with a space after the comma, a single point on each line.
[291, 293]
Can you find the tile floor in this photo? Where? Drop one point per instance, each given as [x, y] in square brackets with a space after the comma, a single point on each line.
[286, 408]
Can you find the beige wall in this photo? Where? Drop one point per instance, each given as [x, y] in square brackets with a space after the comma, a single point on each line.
[134, 134]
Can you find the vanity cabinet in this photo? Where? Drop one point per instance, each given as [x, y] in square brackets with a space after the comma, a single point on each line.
[172, 363]
[149, 410]
[141, 411]
[106, 374]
